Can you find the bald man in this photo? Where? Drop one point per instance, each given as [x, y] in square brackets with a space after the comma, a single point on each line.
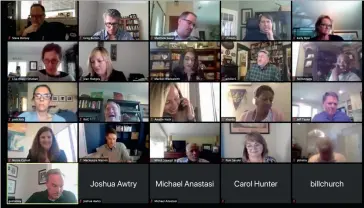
[342, 70]
[193, 155]
[326, 154]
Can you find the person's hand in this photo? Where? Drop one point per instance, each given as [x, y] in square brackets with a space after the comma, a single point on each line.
[186, 104]
[270, 35]
[30, 29]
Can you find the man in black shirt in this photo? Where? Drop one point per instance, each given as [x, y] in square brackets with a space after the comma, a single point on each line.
[265, 29]
[41, 29]
[54, 192]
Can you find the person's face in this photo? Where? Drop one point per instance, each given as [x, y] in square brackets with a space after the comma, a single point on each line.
[55, 186]
[173, 101]
[111, 140]
[42, 98]
[51, 62]
[343, 63]
[193, 153]
[189, 61]
[263, 59]
[111, 24]
[186, 25]
[264, 100]
[255, 149]
[265, 24]
[330, 105]
[37, 15]
[45, 140]
[325, 26]
[111, 112]
[98, 64]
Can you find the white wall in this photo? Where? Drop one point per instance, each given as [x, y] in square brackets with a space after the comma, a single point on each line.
[278, 141]
[282, 99]
[27, 180]
[82, 144]
[132, 57]
[125, 8]
[87, 18]
[63, 89]
[299, 136]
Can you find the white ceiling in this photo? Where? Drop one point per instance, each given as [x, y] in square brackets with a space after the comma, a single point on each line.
[347, 15]
[313, 92]
[33, 48]
[191, 129]
[137, 88]
[208, 12]
[156, 131]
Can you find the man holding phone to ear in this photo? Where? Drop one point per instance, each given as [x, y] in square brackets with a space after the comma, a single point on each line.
[342, 71]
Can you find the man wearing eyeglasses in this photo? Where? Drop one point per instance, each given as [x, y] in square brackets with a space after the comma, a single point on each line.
[51, 57]
[39, 28]
[186, 24]
[112, 30]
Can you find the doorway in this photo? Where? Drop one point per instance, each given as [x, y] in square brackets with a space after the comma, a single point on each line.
[242, 60]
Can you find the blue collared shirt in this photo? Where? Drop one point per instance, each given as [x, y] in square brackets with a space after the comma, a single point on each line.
[120, 35]
[338, 116]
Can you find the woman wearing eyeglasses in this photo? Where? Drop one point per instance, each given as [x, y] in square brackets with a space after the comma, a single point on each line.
[256, 149]
[51, 57]
[188, 69]
[42, 96]
[323, 29]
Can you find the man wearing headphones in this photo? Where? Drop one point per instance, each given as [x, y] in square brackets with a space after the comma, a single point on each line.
[263, 112]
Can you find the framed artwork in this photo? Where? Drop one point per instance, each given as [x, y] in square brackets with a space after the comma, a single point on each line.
[244, 128]
[207, 147]
[55, 98]
[347, 35]
[12, 170]
[62, 98]
[42, 176]
[245, 15]
[33, 65]
[113, 53]
[145, 109]
[11, 186]
[242, 32]
[69, 99]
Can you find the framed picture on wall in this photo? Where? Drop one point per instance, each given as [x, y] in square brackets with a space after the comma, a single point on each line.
[62, 98]
[244, 128]
[11, 186]
[113, 49]
[245, 15]
[69, 99]
[55, 98]
[242, 32]
[42, 176]
[12, 170]
[33, 65]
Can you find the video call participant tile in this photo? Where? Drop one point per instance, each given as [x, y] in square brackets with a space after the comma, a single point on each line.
[256, 183]
[327, 183]
[108, 183]
[184, 183]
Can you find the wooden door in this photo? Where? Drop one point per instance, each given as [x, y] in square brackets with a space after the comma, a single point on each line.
[173, 23]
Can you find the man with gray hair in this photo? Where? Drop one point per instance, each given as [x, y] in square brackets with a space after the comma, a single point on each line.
[263, 71]
[186, 24]
[112, 30]
[325, 149]
[54, 192]
[193, 155]
[331, 114]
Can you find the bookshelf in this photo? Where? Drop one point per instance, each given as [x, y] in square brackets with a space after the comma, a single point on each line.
[164, 60]
[131, 24]
[90, 107]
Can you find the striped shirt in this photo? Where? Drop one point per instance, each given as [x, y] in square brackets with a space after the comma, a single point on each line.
[120, 35]
[268, 73]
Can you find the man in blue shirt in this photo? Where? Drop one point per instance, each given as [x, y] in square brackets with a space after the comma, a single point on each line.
[331, 114]
[112, 30]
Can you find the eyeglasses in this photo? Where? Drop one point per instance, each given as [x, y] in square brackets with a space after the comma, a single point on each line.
[53, 61]
[46, 96]
[190, 23]
[255, 146]
[109, 24]
[325, 25]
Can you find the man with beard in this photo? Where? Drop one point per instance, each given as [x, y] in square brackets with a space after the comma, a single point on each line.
[54, 192]
[114, 151]
[326, 154]
[331, 114]
[342, 71]
[193, 155]
[186, 24]
[263, 71]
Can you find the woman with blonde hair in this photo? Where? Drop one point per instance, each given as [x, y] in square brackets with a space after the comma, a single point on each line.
[100, 67]
[256, 149]
[323, 29]
[166, 100]
[45, 148]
